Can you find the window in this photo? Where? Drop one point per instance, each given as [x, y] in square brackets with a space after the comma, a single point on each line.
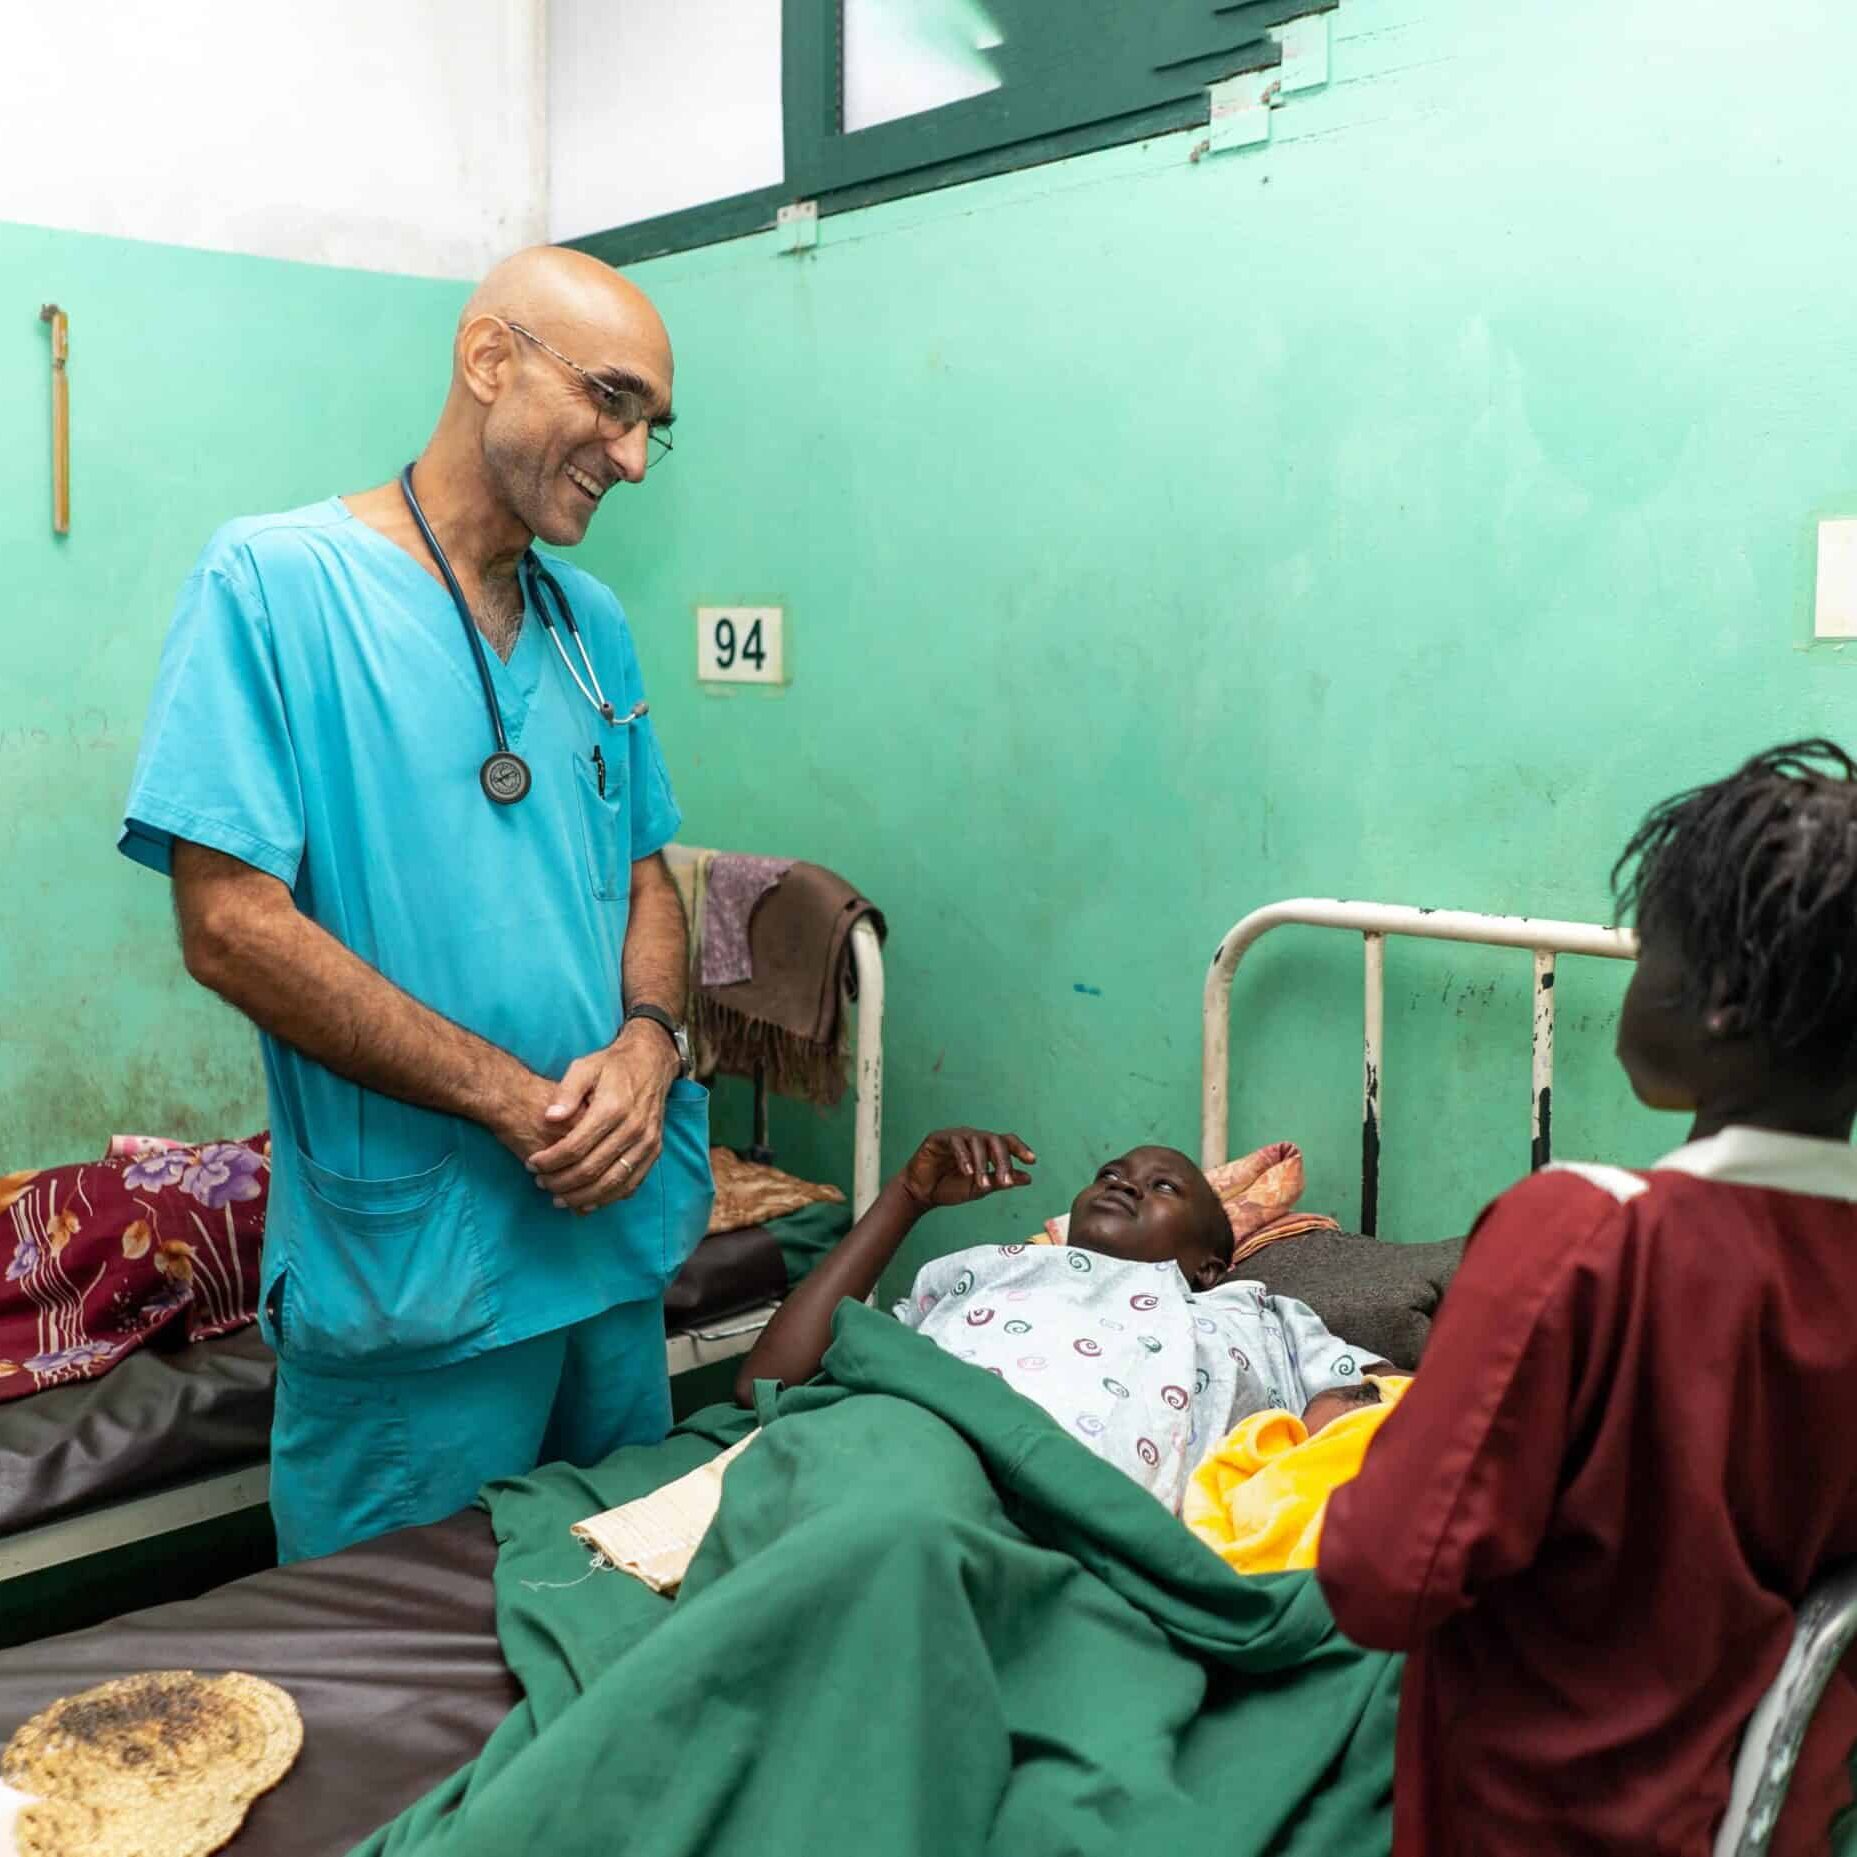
[881, 98]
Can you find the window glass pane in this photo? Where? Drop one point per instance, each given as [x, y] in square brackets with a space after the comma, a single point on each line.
[657, 105]
[902, 57]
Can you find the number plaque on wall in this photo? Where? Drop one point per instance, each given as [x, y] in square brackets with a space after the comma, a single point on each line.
[740, 644]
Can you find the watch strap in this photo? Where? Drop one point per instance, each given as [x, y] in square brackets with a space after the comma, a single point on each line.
[680, 1041]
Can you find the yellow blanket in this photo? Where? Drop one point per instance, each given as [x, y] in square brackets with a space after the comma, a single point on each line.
[1259, 1497]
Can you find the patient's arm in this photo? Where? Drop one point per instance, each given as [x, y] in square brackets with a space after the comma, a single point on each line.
[953, 1167]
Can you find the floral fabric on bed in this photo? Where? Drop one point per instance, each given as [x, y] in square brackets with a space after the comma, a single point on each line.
[98, 1258]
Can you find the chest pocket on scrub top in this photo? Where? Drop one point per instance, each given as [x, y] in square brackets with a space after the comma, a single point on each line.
[605, 818]
[382, 1267]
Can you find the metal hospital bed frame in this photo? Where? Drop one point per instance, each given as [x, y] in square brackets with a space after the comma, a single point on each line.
[1827, 1621]
[697, 1347]
[207, 1499]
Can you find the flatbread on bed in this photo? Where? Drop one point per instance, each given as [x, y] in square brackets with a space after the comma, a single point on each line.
[164, 1764]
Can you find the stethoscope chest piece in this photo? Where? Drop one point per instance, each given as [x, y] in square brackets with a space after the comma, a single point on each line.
[505, 777]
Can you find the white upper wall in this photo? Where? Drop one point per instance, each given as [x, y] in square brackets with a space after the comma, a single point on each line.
[426, 136]
[655, 105]
[390, 135]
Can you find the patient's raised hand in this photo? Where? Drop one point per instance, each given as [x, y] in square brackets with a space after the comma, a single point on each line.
[954, 1166]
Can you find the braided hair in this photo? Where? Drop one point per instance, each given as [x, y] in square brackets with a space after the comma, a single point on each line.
[1755, 877]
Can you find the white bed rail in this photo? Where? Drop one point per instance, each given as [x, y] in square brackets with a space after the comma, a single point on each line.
[1374, 922]
[867, 1154]
[97, 1531]
[1763, 1771]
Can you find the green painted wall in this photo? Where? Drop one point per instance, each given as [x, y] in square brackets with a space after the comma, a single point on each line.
[1393, 511]
[202, 387]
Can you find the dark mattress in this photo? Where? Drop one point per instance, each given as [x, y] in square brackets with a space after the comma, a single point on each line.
[155, 1420]
[389, 1650]
[162, 1418]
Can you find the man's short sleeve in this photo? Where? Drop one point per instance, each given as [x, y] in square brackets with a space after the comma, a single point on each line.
[655, 818]
[217, 766]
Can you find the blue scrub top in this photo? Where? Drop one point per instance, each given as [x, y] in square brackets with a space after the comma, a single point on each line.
[318, 716]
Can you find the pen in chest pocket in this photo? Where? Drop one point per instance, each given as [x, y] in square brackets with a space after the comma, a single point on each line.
[599, 771]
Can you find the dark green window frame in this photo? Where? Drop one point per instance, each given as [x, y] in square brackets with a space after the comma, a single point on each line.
[1107, 71]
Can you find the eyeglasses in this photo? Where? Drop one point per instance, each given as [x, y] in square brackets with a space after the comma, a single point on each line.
[618, 409]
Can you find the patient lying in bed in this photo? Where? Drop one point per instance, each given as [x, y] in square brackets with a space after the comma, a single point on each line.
[1127, 1335]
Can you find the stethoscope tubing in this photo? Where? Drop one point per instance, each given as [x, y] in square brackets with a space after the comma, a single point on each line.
[505, 775]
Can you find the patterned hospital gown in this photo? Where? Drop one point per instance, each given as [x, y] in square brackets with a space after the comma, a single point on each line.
[1124, 1355]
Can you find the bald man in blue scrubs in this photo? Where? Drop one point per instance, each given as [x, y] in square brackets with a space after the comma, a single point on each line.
[487, 1156]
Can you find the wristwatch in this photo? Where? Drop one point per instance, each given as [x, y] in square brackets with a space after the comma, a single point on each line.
[671, 1029]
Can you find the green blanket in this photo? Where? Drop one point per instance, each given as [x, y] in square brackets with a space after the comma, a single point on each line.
[925, 1621]
[805, 1236]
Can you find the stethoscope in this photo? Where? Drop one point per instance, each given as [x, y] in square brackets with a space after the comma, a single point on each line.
[505, 774]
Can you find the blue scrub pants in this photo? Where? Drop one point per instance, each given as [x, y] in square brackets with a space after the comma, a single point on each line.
[353, 1458]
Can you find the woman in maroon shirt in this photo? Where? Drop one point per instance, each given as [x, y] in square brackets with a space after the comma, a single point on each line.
[1631, 1448]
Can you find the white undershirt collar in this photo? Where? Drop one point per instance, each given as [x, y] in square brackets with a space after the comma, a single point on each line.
[1760, 1157]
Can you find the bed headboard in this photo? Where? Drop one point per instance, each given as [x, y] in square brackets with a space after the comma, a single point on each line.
[1374, 922]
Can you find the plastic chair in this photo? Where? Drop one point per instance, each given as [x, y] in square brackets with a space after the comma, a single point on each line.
[1763, 1769]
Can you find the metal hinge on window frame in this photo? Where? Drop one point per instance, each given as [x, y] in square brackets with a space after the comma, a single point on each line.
[1238, 110]
[798, 227]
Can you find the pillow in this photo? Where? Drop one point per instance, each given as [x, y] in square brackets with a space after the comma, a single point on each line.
[1259, 1194]
[748, 1193]
[97, 1258]
[1377, 1296]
